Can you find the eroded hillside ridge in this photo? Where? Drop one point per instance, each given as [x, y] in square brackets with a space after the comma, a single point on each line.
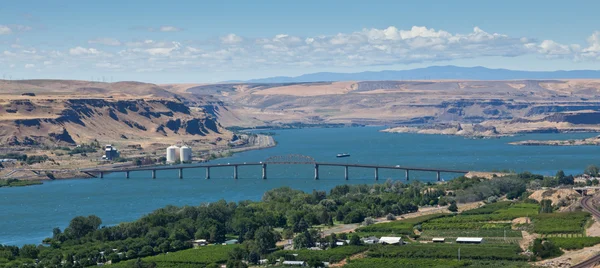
[54, 113]
[457, 107]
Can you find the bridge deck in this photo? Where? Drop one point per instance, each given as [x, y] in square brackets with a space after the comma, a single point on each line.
[150, 168]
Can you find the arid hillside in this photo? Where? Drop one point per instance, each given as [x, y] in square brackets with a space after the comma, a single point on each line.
[451, 107]
[43, 112]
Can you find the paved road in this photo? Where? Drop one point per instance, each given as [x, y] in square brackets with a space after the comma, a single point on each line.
[587, 204]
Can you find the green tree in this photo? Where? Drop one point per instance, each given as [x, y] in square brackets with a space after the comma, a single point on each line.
[355, 240]
[253, 257]
[546, 206]
[29, 251]
[80, 226]
[545, 249]
[237, 253]
[315, 263]
[333, 240]
[236, 264]
[453, 206]
[265, 238]
[560, 175]
[114, 257]
[592, 170]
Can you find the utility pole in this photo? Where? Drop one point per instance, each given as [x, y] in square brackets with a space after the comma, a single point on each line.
[458, 254]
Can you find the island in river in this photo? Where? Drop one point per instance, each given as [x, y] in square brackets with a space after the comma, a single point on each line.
[571, 142]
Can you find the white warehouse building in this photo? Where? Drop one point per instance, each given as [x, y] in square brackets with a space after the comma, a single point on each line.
[185, 154]
[172, 154]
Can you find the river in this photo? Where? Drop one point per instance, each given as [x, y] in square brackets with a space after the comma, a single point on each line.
[28, 214]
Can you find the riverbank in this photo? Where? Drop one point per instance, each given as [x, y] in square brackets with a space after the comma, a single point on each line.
[18, 183]
[35, 175]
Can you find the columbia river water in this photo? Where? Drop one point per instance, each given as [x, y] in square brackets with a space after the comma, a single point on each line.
[28, 214]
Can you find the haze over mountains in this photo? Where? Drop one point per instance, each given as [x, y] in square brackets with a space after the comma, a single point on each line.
[434, 72]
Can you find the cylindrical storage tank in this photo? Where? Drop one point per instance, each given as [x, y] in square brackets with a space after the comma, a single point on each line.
[172, 154]
[185, 153]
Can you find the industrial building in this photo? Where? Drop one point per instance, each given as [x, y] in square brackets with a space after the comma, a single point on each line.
[182, 154]
[172, 154]
[110, 152]
[185, 154]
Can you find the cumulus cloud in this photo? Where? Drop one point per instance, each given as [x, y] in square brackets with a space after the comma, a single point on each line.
[169, 29]
[5, 30]
[79, 51]
[105, 41]
[365, 47]
[231, 39]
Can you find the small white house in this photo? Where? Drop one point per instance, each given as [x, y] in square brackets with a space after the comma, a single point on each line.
[390, 240]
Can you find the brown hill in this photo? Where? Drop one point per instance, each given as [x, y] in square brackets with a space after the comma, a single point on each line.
[36, 112]
[492, 107]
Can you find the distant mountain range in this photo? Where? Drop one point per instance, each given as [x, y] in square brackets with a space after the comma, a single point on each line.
[434, 72]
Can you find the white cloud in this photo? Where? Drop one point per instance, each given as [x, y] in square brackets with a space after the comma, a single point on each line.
[164, 28]
[165, 51]
[78, 51]
[29, 66]
[9, 29]
[551, 48]
[365, 47]
[105, 41]
[169, 29]
[5, 30]
[231, 39]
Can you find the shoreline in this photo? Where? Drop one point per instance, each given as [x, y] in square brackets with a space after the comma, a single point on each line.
[262, 142]
[487, 134]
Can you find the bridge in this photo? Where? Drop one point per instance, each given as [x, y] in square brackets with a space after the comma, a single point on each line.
[293, 159]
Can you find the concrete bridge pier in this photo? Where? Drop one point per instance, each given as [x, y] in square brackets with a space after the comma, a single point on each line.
[154, 173]
[346, 172]
[376, 174]
[207, 173]
[235, 172]
[438, 176]
[181, 173]
[101, 175]
[264, 171]
[316, 171]
[127, 174]
[407, 175]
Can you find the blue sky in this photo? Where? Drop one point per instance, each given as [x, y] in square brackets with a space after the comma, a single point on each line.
[208, 41]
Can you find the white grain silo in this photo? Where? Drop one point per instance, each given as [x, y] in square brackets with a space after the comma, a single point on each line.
[172, 154]
[185, 154]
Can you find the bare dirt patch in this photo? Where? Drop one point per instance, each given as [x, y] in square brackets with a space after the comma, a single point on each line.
[556, 195]
[570, 258]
